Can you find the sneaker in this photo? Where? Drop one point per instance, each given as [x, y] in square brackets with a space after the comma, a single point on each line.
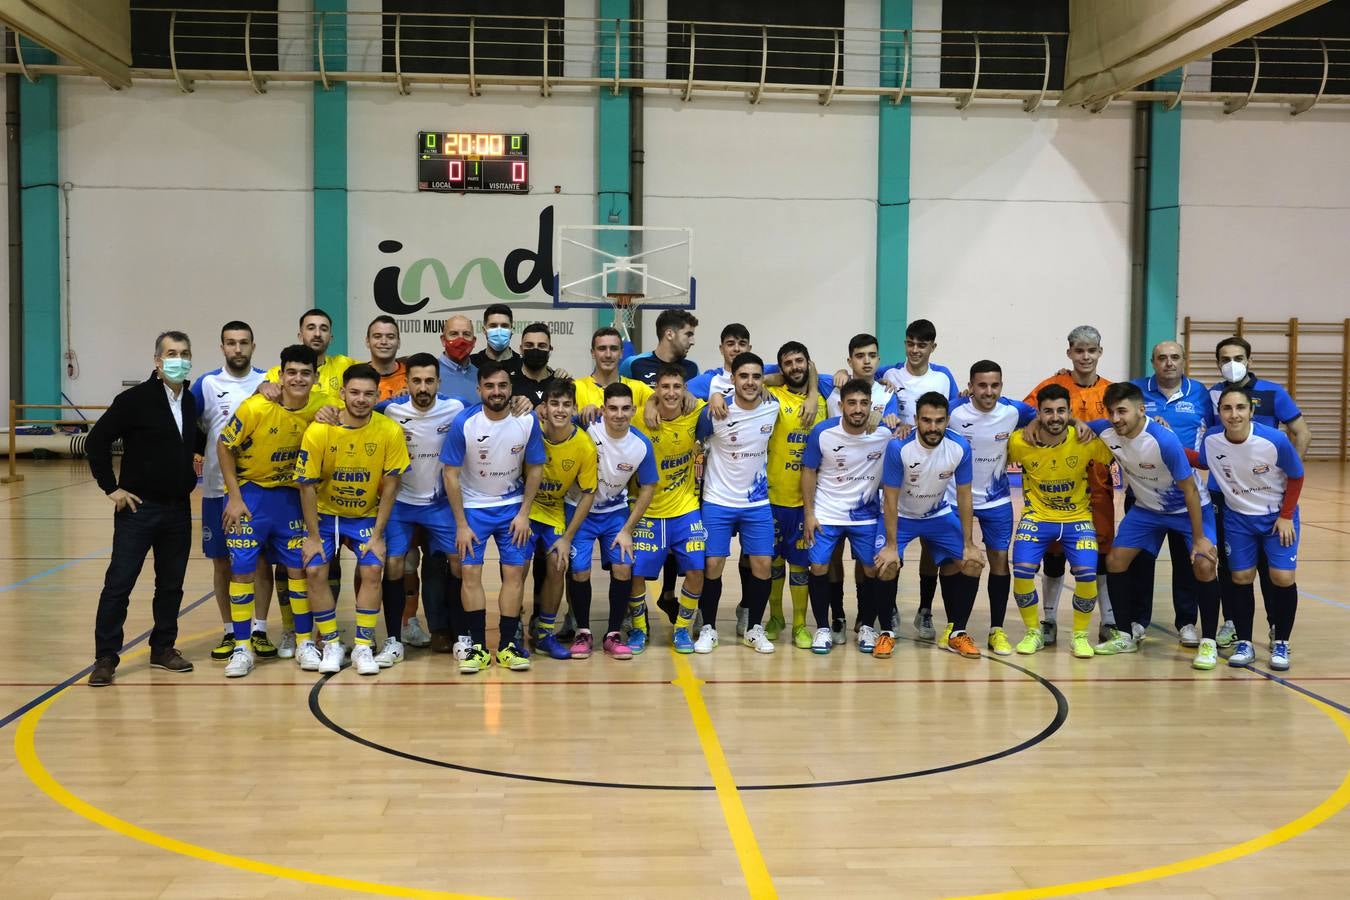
[475, 660]
[1138, 632]
[307, 656]
[549, 644]
[390, 654]
[1049, 634]
[1033, 640]
[707, 640]
[1120, 642]
[1279, 656]
[1227, 635]
[682, 642]
[636, 640]
[582, 644]
[241, 663]
[742, 620]
[923, 623]
[1207, 657]
[363, 660]
[515, 657]
[286, 649]
[773, 629]
[333, 657]
[1243, 654]
[962, 644]
[414, 635]
[1081, 647]
[263, 647]
[225, 649]
[757, 639]
[999, 643]
[801, 637]
[614, 646]
[1189, 636]
[946, 636]
[839, 630]
[867, 639]
[885, 646]
[463, 647]
[822, 642]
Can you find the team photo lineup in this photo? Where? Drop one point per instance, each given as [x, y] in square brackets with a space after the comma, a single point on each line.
[648, 466]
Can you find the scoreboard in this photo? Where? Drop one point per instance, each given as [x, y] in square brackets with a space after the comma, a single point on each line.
[456, 162]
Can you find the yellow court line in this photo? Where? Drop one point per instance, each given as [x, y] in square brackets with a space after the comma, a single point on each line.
[1304, 823]
[738, 822]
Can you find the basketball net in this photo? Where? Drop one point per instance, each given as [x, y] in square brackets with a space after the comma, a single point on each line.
[625, 312]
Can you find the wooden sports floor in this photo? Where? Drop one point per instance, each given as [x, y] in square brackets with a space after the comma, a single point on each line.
[925, 775]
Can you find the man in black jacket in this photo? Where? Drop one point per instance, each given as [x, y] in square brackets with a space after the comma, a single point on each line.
[156, 422]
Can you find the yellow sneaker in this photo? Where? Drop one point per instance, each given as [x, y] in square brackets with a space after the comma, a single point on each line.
[221, 652]
[999, 643]
[801, 637]
[1082, 648]
[263, 647]
[513, 658]
[477, 660]
[1031, 643]
[774, 627]
[946, 638]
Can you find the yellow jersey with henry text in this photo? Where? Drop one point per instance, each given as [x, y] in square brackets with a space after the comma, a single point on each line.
[786, 446]
[676, 449]
[346, 465]
[266, 437]
[566, 463]
[328, 379]
[591, 394]
[1055, 479]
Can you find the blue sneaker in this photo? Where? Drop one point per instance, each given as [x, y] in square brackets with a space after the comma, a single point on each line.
[683, 642]
[1243, 654]
[636, 640]
[550, 644]
[1279, 656]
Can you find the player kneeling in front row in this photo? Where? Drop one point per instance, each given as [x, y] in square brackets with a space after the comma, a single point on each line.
[921, 477]
[349, 476]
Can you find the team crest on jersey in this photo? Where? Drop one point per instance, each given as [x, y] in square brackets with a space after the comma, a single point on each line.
[371, 448]
[517, 448]
[1002, 436]
[568, 464]
[876, 454]
[625, 467]
[1260, 470]
[443, 428]
[1072, 461]
[766, 429]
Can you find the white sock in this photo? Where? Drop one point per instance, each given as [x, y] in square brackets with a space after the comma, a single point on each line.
[229, 627]
[1104, 603]
[260, 625]
[1051, 588]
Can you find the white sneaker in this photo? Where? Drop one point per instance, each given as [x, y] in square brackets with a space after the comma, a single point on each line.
[742, 621]
[707, 640]
[1279, 656]
[307, 656]
[241, 663]
[390, 653]
[286, 646]
[414, 635]
[822, 642]
[756, 638]
[333, 658]
[1189, 636]
[463, 647]
[363, 660]
[838, 631]
[1227, 635]
[923, 624]
[1243, 654]
[1138, 632]
[867, 639]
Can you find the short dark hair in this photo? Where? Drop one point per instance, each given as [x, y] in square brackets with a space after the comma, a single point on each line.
[359, 372]
[1236, 389]
[1236, 342]
[606, 331]
[985, 365]
[862, 340]
[498, 309]
[490, 367]
[1122, 390]
[855, 386]
[674, 319]
[421, 361]
[385, 320]
[921, 330]
[746, 358]
[735, 330]
[235, 325]
[299, 353]
[1052, 392]
[618, 389]
[560, 387]
[793, 347]
[933, 400]
[315, 312]
[535, 328]
[172, 336]
[669, 369]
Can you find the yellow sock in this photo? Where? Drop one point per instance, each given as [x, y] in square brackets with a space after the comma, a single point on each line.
[241, 612]
[284, 604]
[1084, 598]
[365, 625]
[298, 588]
[776, 590]
[326, 622]
[637, 610]
[1024, 592]
[688, 606]
[798, 579]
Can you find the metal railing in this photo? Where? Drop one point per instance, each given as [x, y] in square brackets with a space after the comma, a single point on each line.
[689, 58]
[12, 475]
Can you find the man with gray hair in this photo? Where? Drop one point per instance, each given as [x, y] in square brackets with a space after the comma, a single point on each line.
[150, 497]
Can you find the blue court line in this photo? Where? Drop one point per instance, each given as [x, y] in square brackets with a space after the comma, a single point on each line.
[58, 688]
[53, 570]
[1304, 593]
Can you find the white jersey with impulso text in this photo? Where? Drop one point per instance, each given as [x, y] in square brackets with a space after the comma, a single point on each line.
[1252, 473]
[425, 431]
[926, 477]
[1154, 463]
[617, 462]
[735, 473]
[218, 395]
[988, 433]
[848, 473]
[910, 387]
[492, 455]
[880, 397]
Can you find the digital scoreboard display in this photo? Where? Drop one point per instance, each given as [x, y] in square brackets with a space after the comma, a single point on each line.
[457, 162]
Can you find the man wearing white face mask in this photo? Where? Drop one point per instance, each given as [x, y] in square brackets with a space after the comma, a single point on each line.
[150, 496]
[498, 327]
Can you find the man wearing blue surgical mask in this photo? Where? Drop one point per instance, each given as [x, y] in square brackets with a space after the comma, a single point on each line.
[498, 322]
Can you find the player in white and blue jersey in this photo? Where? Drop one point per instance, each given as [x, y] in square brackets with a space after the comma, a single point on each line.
[736, 500]
[494, 461]
[926, 493]
[841, 479]
[425, 417]
[1167, 497]
[1261, 475]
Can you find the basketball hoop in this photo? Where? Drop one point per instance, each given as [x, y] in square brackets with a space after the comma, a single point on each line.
[626, 306]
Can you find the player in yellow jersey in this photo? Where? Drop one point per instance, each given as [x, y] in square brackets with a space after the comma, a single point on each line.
[1055, 473]
[570, 461]
[349, 476]
[673, 523]
[257, 452]
[316, 333]
[607, 352]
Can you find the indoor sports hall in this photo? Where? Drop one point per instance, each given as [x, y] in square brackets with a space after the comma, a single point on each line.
[1169, 175]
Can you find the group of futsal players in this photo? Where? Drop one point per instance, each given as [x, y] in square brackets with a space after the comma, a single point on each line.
[660, 465]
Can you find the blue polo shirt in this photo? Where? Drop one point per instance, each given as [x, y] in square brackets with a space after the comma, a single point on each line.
[1185, 411]
[459, 381]
[1271, 404]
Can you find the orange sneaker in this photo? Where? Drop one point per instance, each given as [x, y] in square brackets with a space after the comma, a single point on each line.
[885, 646]
[962, 644]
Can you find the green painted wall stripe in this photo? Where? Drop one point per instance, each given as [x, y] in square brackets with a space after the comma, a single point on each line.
[329, 133]
[40, 194]
[613, 199]
[893, 158]
[1163, 246]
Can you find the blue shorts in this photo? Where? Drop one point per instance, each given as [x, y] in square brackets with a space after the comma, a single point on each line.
[789, 535]
[941, 533]
[996, 526]
[1245, 536]
[1146, 529]
[865, 540]
[1034, 537]
[495, 522]
[437, 518]
[603, 527]
[754, 523]
[654, 539]
[275, 523]
[542, 537]
[346, 531]
[213, 533]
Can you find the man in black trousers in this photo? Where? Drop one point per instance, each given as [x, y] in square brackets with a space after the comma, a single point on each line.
[156, 422]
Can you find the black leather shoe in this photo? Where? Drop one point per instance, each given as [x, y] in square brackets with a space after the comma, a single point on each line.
[105, 670]
[170, 661]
